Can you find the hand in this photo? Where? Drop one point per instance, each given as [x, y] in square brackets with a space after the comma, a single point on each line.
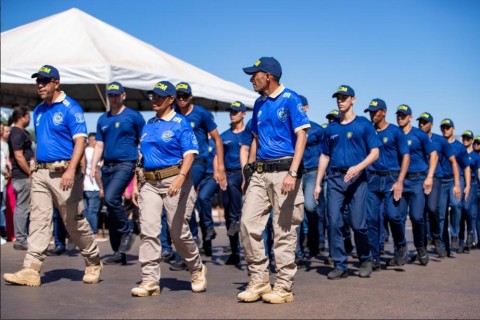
[316, 193]
[352, 173]
[466, 192]
[221, 178]
[457, 192]
[101, 194]
[176, 186]
[397, 189]
[427, 185]
[92, 174]
[135, 196]
[67, 179]
[288, 184]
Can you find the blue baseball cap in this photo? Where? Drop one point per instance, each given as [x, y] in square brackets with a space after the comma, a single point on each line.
[237, 106]
[47, 71]
[115, 88]
[405, 109]
[447, 122]
[265, 64]
[164, 89]
[344, 90]
[426, 117]
[476, 139]
[376, 104]
[304, 100]
[468, 134]
[333, 113]
[184, 87]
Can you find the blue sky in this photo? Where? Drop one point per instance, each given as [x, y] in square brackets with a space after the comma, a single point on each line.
[424, 53]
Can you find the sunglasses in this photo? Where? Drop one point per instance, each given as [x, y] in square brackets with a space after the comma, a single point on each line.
[44, 81]
[445, 127]
[234, 112]
[183, 96]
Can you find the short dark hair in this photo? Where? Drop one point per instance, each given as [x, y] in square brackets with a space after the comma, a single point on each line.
[19, 112]
[92, 134]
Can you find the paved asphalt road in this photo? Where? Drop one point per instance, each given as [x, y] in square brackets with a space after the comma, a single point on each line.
[448, 288]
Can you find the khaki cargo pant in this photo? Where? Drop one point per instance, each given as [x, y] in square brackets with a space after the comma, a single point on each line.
[264, 195]
[152, 200]
[46, 194]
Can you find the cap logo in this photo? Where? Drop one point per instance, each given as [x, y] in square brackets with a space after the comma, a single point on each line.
[257, 63]
[113, 86]
[342, 89]
[446, 121]
[236, 104]
[374, 103]
[161, 86]
[182, 86]
[334, 112]
[403, 107]
[425, 115]
[45, 69]
[468, 132]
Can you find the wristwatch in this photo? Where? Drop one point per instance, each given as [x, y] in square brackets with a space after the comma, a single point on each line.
[293, 173]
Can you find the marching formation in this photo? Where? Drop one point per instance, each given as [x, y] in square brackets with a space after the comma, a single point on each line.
[291, 188]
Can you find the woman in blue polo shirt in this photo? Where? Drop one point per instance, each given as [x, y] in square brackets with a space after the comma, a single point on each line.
[168, 146]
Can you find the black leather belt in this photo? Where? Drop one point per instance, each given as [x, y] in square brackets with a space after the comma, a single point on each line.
[310, 169]
[384, 173]
[115, 163]
[233, 170]
[415, 175]
[447, 177]
[338, 170]
[273, 165]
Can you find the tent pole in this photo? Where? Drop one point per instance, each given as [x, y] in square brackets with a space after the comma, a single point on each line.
[101, 97]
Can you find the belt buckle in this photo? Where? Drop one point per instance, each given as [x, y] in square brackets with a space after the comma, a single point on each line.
[158, 175]
[260, 166]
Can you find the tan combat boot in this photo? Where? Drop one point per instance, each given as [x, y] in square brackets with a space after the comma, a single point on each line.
[92, 273]
[278, 295]
[146, 288]
[199, 280]
[25, 277]
[255, 290]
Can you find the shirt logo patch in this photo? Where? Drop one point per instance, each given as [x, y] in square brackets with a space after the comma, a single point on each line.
[104, 128]
[57, 118]
[349, 135]
[301, 109]
[167, 135]
[192, 124]
[79, 118]
[282, 114]
[37, 122]
[409, 142]
[385, 139]
[194, 139]
[66, 103]
[117, 124]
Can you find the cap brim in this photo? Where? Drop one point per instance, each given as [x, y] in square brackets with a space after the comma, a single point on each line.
[35, 75]
[250, 70]
[370, 109]
[420, 118]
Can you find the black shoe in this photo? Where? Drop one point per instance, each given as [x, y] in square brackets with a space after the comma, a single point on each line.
[422, 256]
[470, 240]
[336, 274]
[365, 269]
[328, 261]
[210, 235]
[322, 247]
[233, 259]
[454, 244]
[56, 252]
[20, 246]
[167, 256]
[116, 258]
[300, 262]
[461, 249]
[178, 266]
[382, 252]
[376, 266]
[401, 256]
[233, 229]
[126, 242]
[348, 246]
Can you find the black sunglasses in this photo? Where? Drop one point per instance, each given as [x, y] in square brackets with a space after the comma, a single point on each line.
[183, 96]
[44, 81]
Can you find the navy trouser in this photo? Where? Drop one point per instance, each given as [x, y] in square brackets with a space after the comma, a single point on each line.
[354, 196]
[232, 203]
[91, 202]
[477, 218]
[469, 212]
[59, 232]
[115, 180]
[432, 210]
[206, 189]
[448, 200]
[311, 220]
[413, 202]
[379, 191]
[322, 212]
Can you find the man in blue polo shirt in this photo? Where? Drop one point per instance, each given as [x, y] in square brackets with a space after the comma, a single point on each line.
[118, 136]
[450, 198]
[476, 235]
[419, 179]
[279, 125]
[385, 185]
[56, 180]
[432, 208]
[349, 147]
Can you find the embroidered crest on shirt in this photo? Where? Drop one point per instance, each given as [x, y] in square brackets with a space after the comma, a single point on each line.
[117, 124]
[282, 114]
[385, 139]
[57, 118]
[167, 135]
[79, 118]
[349, 135]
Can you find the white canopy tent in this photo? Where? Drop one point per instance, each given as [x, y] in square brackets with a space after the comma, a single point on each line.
[89, 54]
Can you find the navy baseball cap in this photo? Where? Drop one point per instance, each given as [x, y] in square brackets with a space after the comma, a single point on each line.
[115, 88]
[265, 64]
[184, 87]
[237, 106]
[48, 72]
[164, 89]
[405, 109]
[476, 139]
[376, 104]
[447, 122]
[304, 100]
[344, 90]
[468, 134]
[426, 117]
[333, 113]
